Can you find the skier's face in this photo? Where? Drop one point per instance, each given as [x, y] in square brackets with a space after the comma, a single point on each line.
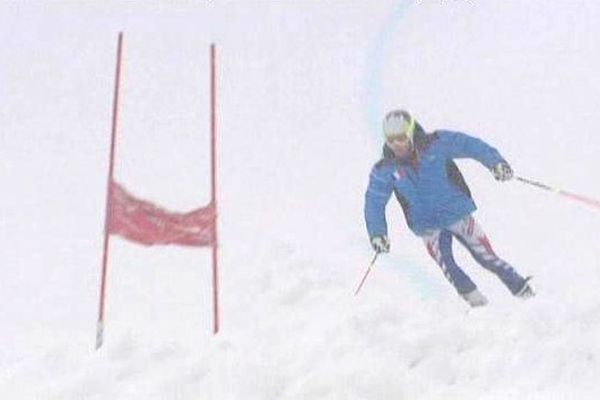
[399, 144]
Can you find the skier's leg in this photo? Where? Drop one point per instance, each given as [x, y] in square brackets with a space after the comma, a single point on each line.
[470, 234]
[439, 246]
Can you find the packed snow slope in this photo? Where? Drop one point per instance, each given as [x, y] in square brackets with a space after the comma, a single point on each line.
[302, 87]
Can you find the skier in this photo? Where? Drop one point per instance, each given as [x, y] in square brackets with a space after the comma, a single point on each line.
[418, 168]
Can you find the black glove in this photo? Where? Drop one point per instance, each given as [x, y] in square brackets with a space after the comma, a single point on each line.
[502, 172]
[380, 244]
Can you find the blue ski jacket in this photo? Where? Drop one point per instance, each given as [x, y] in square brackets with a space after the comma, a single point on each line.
[427, 184]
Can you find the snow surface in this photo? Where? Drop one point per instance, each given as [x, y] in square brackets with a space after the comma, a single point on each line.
[302, 89]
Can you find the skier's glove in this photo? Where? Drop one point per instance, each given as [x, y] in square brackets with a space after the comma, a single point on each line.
[380, 244]
[502, 172]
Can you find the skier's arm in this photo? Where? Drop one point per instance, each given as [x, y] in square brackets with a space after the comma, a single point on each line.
[378, 194]
[460, 145]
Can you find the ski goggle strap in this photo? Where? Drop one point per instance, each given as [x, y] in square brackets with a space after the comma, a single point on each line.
[411, 128]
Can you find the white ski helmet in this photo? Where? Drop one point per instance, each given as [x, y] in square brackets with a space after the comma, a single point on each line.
[398, 122]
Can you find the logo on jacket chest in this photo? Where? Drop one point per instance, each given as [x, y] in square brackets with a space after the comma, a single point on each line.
[400, 173]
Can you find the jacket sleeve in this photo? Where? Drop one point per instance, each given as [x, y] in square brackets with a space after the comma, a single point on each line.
[460, 145]
[378, 194]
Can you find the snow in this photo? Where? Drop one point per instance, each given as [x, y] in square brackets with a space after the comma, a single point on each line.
[302, 89]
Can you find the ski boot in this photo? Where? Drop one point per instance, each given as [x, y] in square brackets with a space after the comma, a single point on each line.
[475, 298]
[526, 291]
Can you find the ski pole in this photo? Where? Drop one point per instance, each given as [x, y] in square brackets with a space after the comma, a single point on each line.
[589, 201]
[366, 273]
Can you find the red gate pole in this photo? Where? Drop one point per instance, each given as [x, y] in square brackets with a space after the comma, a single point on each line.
[213, 135]
[100, 323]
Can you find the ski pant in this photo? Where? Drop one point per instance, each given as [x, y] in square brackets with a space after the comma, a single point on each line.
[470, 235]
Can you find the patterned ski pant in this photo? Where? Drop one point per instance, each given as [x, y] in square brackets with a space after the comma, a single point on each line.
[470, 234]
